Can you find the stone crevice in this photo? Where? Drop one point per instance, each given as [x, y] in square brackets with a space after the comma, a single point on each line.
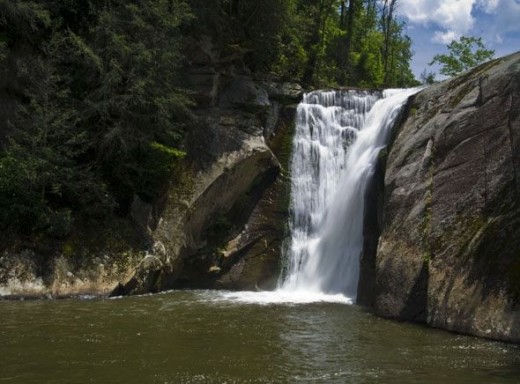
[511, 144]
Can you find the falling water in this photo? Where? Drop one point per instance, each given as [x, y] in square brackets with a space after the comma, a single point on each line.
[337, 141]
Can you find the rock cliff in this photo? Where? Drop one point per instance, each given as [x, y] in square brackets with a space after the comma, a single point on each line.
[220, 223]
[224, 224]
[449, 217]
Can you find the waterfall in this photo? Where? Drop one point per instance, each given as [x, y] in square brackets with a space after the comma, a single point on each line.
[337, 141]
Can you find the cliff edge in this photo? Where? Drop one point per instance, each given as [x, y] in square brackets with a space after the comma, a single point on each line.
[449, 246]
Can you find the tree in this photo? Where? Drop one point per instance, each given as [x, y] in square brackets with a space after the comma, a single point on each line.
[350, 12]
[319, 15]
[98, 112]
[322, 43]
[42, 179]
[427, 78]
[464, 54]
[388, 29]
[129, 92]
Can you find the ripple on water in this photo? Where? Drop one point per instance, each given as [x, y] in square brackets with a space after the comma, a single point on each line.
[232, 337]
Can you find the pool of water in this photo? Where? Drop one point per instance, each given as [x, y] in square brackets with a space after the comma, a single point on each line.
[221, 337]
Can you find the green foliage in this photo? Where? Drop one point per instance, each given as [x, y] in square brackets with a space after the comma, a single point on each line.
[23, 20]
[101, 117]
[39, 169]
[398, 71]
[151, 172]
[427, 78]
[265, 27]
[318, 42]
[21, 203]
[464, 54]
[131, 96]
[369, 69]
[292, 57]
[100, 114]
[349, 44]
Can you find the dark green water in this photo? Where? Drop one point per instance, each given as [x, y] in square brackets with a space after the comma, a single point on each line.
[204, 337]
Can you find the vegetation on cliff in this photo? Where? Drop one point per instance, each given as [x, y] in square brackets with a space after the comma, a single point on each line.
[317, 42]
[464, 53]
[100, 113]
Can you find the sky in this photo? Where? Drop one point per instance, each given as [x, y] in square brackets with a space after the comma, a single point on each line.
[433, 24]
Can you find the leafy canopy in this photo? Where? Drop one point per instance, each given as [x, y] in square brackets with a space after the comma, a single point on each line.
[98, 116]
[464, 54]
[100, 113]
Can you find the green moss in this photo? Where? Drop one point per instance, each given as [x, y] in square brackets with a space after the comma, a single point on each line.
[460, 95]
[490, 245]
[182, 180]
[467, 79]
[67, 250]
[114, 242]
[282, 147]
[431, 113]
[281, 143]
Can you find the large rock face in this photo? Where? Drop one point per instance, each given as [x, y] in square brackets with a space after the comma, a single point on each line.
[449, 250]
[223, 224]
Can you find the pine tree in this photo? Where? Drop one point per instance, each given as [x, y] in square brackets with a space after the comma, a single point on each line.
[43, 181]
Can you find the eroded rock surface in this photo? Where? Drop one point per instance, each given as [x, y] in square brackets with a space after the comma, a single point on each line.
[223, 224]
[449, 250]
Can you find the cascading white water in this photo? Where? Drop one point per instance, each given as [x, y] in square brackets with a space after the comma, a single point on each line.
[336, 144]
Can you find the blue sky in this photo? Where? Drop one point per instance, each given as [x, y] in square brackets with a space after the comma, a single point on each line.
[432, 24]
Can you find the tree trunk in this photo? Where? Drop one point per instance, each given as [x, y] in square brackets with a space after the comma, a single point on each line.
[352, 11]
[387, 19]
[316, 41]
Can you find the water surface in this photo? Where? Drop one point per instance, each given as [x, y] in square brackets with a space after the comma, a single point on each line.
[219, 337]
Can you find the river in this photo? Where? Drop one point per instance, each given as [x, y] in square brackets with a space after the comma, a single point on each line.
[222, 337]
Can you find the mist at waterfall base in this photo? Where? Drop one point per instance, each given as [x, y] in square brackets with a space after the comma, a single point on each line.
[338, 137]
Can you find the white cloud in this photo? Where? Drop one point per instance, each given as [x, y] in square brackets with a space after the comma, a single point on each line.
[418, 11]
[454, 15]
[432, 23]
[503, 18]
[450, 18]
[488, 6]
[444, 37]
[508, 17]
